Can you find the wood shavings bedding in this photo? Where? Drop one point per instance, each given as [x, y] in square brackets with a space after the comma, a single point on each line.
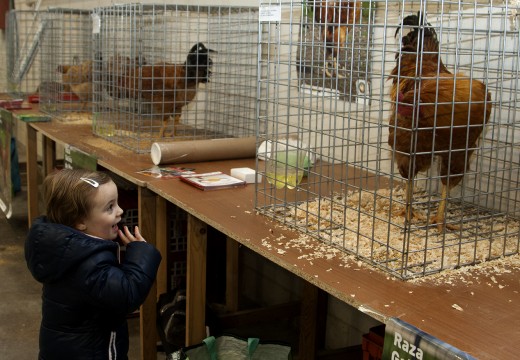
[491, 271]
[371, 226]
[76, 118]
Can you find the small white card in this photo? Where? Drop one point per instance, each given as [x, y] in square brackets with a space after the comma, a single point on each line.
[270, 13]
[96, 24]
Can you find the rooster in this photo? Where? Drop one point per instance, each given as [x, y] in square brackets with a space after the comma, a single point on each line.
[433, 113]
[168, 87]
[116, 70]
[78, 80]
[336, 19]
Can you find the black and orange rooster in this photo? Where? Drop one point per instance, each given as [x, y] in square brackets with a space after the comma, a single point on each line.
[168, 87]
[433, 113]
[336, 19]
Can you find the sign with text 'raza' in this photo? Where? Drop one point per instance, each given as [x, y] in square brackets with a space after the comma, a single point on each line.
[406, 342]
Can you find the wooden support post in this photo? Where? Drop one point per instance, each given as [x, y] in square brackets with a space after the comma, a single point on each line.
[232, 247]
[196, 281]
[148, 312]
[308, 321]
[162, 240]
[32, 174]
[49, 156]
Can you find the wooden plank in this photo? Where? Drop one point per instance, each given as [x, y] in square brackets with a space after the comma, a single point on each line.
[161, 243]
[148, 312]
[489, 310]
[308, 320]
[32, 173]
[110, 156]
[49, 156]
[196, 281]
[232, 270]
[321, 322]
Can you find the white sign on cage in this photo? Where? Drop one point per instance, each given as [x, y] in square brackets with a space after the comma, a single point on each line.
[270, 13]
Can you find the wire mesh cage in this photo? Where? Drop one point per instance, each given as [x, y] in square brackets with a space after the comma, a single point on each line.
[66, 64]
[174, 72]
[23, 33]
[391, 128]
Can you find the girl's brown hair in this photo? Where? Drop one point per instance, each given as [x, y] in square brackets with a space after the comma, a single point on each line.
[68, 194]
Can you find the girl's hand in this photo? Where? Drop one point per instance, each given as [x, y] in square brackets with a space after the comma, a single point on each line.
[127, 237]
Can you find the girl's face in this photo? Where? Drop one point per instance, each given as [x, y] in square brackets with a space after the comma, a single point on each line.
[105, 213]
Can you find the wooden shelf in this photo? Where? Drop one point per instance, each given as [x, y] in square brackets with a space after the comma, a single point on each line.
[486, 328]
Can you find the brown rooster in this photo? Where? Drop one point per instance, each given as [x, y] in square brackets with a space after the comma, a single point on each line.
[78, 80]
[168, 87]
[336, 19]
[434, 113]
[116, 71]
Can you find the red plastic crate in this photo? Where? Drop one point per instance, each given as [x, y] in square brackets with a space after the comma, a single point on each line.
[373, 342]
[34, 99]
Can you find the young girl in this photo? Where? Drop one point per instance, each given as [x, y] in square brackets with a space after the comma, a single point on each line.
[87, 291]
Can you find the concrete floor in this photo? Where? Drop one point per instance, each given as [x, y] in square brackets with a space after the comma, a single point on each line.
[20, 310]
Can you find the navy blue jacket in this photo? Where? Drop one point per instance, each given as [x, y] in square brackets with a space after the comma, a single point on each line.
[87, 293]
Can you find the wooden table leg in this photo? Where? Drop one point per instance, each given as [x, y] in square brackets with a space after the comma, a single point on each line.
[308, 322]
[196, 281]
[232, 247]
[49, 156]
[148, 312]
[161, 236]
[32, 174]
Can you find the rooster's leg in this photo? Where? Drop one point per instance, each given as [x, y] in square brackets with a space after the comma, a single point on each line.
[327, 68]
[409, 210]
[163, 127]
[440, 218]
[408, 213]
[337, 67]
[176, 122]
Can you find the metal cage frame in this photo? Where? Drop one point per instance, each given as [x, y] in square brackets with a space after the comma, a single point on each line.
[135, 107]
[66, 64]
[333, 109]
[23, 34]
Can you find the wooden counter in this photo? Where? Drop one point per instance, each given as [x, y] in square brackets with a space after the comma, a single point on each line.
[475, 311]
[488, 327]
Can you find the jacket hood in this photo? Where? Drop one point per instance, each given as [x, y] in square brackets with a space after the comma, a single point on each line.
[52, 249]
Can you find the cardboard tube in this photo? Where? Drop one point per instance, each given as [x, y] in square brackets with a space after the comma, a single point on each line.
[203, 150]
